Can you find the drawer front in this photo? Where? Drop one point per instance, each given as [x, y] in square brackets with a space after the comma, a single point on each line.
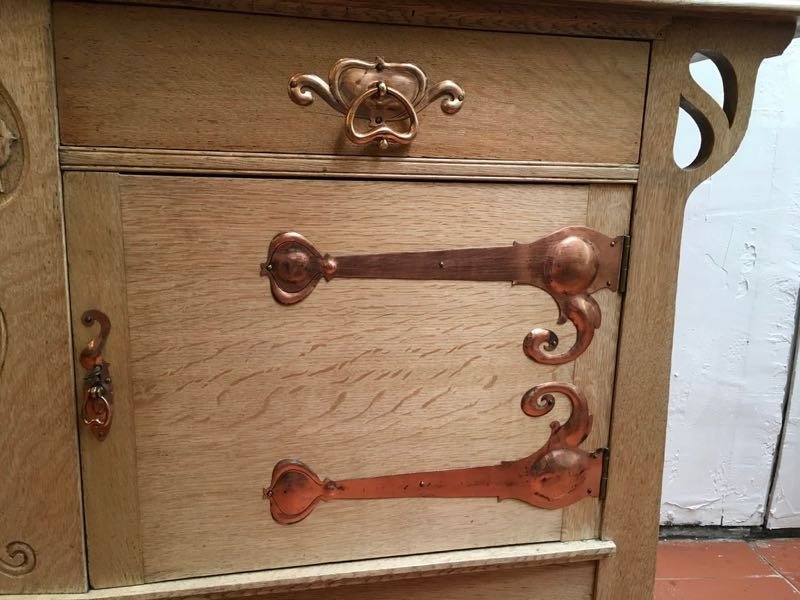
[188, 79]
[365, 377]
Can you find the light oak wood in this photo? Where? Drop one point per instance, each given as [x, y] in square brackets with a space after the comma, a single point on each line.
[421, 569]
[77, 158]
[608, 210]
[111, 500]
[630, 516]
[354, 380]
[576, 18]
[40, 507]
[529, 97]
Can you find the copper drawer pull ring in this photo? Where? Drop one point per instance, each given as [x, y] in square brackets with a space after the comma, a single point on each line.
[379, 93]
[555, 476]
[569, 264]
[98, 390]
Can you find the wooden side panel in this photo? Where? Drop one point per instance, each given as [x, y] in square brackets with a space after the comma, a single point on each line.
[41, 533]
[189, 79]
[97, 280]
[630, 515]
[608, 210]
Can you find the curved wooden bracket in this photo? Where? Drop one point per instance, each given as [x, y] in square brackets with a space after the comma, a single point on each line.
[569, 264]
[555, 476]
[737, 57]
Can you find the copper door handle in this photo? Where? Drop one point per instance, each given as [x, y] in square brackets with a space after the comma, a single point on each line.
[556, 475]
[98, 391]
[380, 93]
[569, 264]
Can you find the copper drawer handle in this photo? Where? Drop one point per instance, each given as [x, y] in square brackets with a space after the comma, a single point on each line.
[569, 264]
[557, 475]
[98, 390]
[378, 92]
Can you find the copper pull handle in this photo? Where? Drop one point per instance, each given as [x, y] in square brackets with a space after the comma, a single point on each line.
[569, 264]
[556, 475]
[378, 92]
[98, 390]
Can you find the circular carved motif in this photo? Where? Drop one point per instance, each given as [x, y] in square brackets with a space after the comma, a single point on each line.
[11, 147]
[20, 559]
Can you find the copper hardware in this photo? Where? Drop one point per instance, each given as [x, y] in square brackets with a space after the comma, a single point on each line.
[569, 264]
[378, 92]
[556, 475]
[98, 394]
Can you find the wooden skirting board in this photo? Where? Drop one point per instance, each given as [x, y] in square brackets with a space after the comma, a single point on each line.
[348, 573]
[146, 160]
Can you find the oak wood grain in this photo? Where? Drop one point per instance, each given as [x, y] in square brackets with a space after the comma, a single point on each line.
[95, 254]
[218, 81]
[40, 505]
[362, 378]
[608, 210]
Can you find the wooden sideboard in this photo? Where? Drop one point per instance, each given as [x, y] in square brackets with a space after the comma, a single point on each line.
[475, 303]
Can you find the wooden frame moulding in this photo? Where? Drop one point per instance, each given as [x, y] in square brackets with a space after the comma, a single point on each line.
[580, 18]
[148, 160]
[386, 571]
[41, 527]
[111, 503]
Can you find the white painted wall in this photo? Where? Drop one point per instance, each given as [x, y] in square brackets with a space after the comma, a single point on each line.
[784, 509]
[737, 295]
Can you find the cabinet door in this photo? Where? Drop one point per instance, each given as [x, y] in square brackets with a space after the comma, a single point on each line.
[216, 382]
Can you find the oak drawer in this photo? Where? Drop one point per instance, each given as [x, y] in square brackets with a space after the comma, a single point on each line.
[216, 382]
[139, 77]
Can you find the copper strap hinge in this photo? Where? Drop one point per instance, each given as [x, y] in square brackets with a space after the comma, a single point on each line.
[558, 474]
[570, 264]
[624, 262]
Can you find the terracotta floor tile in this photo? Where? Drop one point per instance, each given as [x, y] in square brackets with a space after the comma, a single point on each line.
[783, 555]
[794, 579]
[723, 559]
[756, 588]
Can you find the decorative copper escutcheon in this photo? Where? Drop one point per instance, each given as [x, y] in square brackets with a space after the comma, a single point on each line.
[556, 475]
[98, 390]
[569, 264]
[380, 93]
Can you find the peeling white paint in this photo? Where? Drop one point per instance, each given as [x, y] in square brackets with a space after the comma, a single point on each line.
[737, 295]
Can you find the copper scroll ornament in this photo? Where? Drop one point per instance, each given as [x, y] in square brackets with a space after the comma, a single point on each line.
[556, 475]
[569, 264]
[98, 391]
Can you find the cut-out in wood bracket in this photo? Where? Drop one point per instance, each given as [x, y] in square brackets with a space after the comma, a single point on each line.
[569, 264]
[721, 127]
[555, 476]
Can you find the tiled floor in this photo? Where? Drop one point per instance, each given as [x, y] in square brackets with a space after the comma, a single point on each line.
[733, 570]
